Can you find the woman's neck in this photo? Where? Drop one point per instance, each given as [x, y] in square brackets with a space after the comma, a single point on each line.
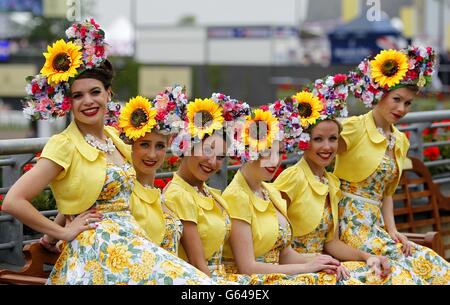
[95, 130]
[187, 176]
[145, 179]
[380, 122]
[252, 180]
[317, 170]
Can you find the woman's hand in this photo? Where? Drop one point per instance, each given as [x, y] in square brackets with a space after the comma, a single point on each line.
[324, 263]
[85, 221]
[50, 244]
[379, 265]
[400, 238]
[342, 273]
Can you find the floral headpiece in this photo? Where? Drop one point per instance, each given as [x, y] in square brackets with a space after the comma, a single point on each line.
[48, 93]
[232, 109]
[289, 122]
[260, 131]
[325, 100]
[171, 110]
[392, 69]
[205, 116]
[137, 118]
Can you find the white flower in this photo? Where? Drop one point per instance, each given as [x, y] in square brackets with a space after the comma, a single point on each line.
[423, 52]
[28, 112]
[28, 89]
[304, 137]
[70, 32]
[344, 112]
[176, 91]
[330, 82]
[58, 98]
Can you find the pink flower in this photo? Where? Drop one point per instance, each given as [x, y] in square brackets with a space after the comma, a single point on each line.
[35, 88]
[303, 145]
[340, 78]
[66, 104]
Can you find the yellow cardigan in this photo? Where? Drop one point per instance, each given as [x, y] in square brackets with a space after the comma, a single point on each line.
[80, 182]
[145, 206]
[308, 196]
[365, 150]
[189, 205]
[259, 214]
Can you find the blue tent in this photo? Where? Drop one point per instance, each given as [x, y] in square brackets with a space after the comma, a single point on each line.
[360, 38]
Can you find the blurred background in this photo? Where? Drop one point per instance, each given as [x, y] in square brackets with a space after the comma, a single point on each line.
[252, 50]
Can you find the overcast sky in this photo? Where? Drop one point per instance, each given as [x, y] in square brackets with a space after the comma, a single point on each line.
[206, 12]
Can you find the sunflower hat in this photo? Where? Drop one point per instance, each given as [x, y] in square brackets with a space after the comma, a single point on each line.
[259, 132]
[392, 69]
[204, 117]
[322, 100]
[137, 118]
[48, 92]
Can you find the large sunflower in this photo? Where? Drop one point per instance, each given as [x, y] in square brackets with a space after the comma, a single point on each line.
[389, 67]
[204, 117]
[309, 107]
[137, 117]
[61, 61]
[260, 131]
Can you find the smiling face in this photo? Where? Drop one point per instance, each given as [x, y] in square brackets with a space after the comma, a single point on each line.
[207, 159]
[395, 105]
[89, 100]
[148, 153]
[323, 146]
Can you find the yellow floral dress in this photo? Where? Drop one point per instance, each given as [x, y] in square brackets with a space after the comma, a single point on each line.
[172, 235]
[362, 226]
[118, 250]
[272, 257]
[271, 230]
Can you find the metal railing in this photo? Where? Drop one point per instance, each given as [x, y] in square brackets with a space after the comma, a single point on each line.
[14, 154]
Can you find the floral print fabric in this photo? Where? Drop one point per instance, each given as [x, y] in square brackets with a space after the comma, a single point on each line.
[362, 226]
[118, 251]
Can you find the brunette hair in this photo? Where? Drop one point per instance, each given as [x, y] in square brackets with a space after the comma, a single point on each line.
[103, 73]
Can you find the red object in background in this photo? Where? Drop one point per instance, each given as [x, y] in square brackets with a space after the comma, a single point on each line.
[429, 131]
[1, 201]
[27, 167]
[173, 160]
[160, 183]
[432, 153]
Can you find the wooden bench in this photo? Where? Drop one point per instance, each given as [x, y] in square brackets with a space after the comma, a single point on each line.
[33, 272]
[416, 207]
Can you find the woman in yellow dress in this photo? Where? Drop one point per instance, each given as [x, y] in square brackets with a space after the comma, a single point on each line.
[312, 194]
[148, 152]
[260, 242]
[371, 158]
[202, 210]
[89, 166]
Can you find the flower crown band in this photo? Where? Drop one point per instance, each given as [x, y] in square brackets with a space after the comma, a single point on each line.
[48, 93]
[390, 70]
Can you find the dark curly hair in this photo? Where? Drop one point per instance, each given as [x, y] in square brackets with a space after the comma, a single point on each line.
[103, 73]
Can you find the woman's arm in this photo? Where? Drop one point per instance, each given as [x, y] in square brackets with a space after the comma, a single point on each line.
[344, 252]
[18, 203]
[193, 247]
[242, 246]
[388, 215]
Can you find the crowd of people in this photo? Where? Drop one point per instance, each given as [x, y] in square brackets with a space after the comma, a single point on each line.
[310, 226]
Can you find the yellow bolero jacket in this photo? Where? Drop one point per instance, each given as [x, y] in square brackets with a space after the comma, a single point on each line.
[308, 197]
[145, 206]
[189, 205]
[366, 147]
[78, 185]
[259, 214]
